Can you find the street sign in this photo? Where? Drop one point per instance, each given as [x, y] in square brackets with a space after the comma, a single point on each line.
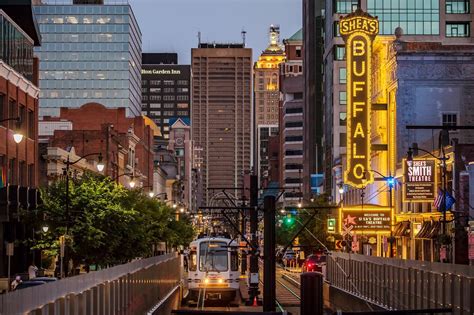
[10, 249]
[420, 180]
[338, 244]
[61, 246]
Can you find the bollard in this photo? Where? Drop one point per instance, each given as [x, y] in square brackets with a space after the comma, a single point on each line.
[311, 293]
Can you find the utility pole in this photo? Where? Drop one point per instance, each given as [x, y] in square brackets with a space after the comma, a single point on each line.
[253, 275]
[243, 230]
[269, 273]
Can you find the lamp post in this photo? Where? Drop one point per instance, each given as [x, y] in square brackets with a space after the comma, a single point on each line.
[100, 167]
[17, 135]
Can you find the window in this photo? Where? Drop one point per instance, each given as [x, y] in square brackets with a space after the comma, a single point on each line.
[168, 97]
[415, 17]
[182, 113]
[342, 75]
[345, 6]
[23, 122]
[298, 96]
[182, 98]
[182, 82]
[183, 90]
[179, 152]
[457, 29]
[294, 124]
[2, 108]
[144, 82]
[342, 98]
[168, 113]
[340, 53]
[155, 97]
[342, 118]
[182, 105]
[293, 152]
[155, 90]
[213, 256]
[155, 82]
[298, 51]
[168, 105]
[298, 110]
[292, 180]
[293, 138]
[457, 6]
[168, 82]
[343, 139]
[168, 90]
[155, 105]
[293, 166]
[11, 172]
[31, 175]
[12, 113]
[31, 124]
[336, 29]
[449, 119]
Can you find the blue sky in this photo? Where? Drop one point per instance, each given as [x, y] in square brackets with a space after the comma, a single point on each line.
[173, 25]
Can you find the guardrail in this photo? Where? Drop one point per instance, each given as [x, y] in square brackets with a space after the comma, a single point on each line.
[132, 288]
[403, 284]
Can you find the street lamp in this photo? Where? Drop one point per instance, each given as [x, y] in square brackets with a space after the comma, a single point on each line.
[45, 228]
[132, 183]
[151, 194]
[17, 135]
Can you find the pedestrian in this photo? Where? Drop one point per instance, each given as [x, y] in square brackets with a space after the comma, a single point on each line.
[16, 282]
[32, 270]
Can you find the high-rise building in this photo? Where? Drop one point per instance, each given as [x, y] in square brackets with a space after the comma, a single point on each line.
[313, 96]
[165, 90]
[266, 100]
[449, 22]
[221, 113]
[291, 118]
[90, 53]
[18, 116]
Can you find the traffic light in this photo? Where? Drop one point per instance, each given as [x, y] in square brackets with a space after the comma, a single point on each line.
[289, 220]
[390, 181]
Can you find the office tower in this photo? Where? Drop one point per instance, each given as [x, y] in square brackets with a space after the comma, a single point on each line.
[165, 90]
[291, 118]
[266, 100]
[91, 53]
[313, 96]
[221, 113]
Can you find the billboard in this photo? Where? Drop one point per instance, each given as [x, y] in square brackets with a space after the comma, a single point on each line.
[358, 30]
[366, 221]
[420, 180]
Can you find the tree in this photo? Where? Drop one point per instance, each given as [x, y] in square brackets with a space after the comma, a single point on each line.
[108, 224]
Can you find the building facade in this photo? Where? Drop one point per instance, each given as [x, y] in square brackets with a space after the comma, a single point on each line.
[18, 114]
[291, 119]
[90, 53]
[166, 92]
[266, 100]
[221, 113]
[126, 144]
[448, 22]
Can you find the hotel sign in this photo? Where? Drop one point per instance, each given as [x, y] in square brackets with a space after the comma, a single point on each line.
[161, 71]
[358, 30]
[420, 180]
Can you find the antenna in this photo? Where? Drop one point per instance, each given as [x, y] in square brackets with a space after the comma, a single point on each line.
[199, 38]
[243, 36]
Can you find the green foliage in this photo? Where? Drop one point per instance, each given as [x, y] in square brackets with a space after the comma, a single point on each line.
[107, 224]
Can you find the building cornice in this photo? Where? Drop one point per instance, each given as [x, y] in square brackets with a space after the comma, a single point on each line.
[9, 74]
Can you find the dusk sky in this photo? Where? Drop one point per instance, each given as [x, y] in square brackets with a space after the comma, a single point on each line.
[173, 25]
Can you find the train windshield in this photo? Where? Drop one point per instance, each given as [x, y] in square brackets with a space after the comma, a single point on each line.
[213, 256]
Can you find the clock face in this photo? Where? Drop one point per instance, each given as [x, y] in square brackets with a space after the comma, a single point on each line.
[179, 141]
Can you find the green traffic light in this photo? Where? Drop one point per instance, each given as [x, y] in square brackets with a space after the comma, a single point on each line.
[289, 221]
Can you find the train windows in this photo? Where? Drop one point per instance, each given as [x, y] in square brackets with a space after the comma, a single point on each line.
[213, 256]
[234, 261]
[192, 261]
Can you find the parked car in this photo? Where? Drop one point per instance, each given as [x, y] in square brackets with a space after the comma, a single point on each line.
[289, 258]
[314, 262]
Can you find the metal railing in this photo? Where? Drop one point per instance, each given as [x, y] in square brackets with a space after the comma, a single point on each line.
[133, 288]
[403, 284]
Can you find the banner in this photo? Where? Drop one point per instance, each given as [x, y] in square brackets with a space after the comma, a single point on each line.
[420, 180]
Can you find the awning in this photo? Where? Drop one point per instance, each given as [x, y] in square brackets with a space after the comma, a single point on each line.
[434, 232]
[425, 230]
[402, 229]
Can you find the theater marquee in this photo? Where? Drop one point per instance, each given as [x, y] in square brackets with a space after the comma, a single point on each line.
[420, 180]
[358, 30]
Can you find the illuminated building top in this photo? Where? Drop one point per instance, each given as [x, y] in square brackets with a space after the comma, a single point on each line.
[274, 54]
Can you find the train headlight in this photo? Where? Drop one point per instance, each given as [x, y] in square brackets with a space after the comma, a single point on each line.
[220, 281]
[206, 281]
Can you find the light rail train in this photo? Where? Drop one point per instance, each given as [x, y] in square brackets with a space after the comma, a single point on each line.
[213, 269]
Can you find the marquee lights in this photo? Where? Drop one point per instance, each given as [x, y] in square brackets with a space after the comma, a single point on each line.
[358, 30]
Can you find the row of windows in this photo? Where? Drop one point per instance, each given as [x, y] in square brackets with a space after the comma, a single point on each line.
[269, 109]
[297, 110]
[67, 94]
[18, 172]
[45, 56]
[167, 105]
[457, 6]
[50, 107]
[294, 124]
[168, 82]
[293, 166]
[80, 47]
[458, 29]
[168, 113]
[293, 152]
[85, 38]
[84, 65]
[293, 138]
[84, 75]
[165, 97]
[84, 84]
[82, 19]
[81, 9]
[84, 28]
[269, 116]
[11, 109]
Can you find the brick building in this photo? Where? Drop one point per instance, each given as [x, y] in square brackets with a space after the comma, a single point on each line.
[126, 144]
[18, 99]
